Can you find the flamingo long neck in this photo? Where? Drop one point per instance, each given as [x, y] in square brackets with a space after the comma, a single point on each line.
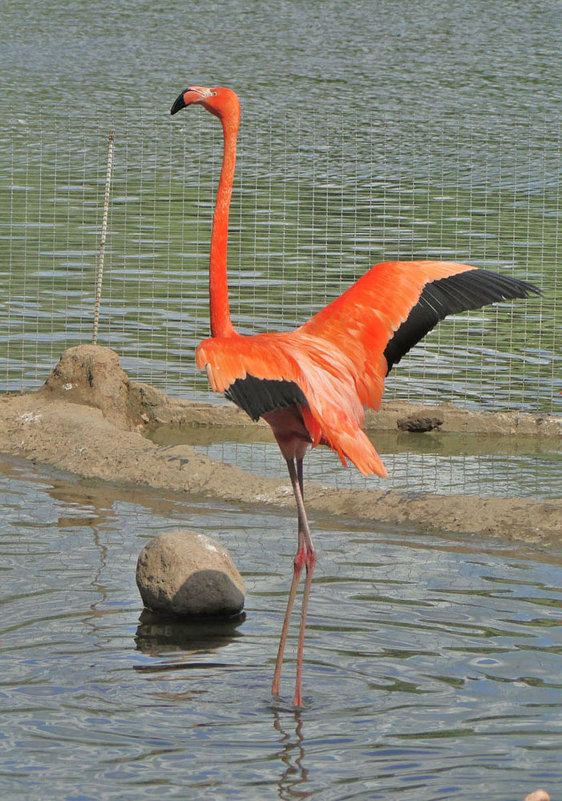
[221, 325]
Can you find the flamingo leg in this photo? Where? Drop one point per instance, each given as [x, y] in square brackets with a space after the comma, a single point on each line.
[310, 561]
[298, 564]
[306, 555]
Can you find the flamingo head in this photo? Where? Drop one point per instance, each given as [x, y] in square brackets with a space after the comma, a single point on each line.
[219, 100]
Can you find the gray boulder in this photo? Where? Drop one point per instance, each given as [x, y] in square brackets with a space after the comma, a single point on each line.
[186, 573]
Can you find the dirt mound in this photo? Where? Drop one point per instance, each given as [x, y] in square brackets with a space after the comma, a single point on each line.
[92, 376]
[89, 419]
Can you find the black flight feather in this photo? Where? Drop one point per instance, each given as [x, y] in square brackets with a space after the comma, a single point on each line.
[456, 293]
[256, 396]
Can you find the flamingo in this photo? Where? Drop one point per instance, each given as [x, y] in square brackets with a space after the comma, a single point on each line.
[312, 384]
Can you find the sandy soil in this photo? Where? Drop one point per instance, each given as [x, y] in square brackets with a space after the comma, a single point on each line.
[89, 419]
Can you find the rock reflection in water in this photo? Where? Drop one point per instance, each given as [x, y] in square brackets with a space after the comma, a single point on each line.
[159, 636]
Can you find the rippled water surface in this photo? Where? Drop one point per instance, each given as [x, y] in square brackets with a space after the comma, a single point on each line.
[432, 668]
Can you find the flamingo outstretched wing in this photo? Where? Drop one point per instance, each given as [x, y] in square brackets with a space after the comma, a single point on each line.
[389, 309]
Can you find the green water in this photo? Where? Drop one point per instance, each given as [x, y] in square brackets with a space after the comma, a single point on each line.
[459, 464]
[370, 131]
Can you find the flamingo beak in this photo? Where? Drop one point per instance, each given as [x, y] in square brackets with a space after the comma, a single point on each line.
[195, 94]
[186, 98]
[180, 101]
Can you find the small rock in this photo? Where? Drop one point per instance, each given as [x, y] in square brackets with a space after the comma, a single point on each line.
[419, 423]
[186, 573]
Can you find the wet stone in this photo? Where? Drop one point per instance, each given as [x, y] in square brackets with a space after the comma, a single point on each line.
[419, 423]
[186, 573]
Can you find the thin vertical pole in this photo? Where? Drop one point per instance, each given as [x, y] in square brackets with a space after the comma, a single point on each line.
[101, 255]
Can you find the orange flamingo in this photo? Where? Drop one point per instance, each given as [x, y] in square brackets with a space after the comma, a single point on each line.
[311, 384]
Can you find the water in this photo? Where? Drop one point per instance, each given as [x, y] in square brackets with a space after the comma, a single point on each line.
[369, 131]
[432, 667]
[481, 465]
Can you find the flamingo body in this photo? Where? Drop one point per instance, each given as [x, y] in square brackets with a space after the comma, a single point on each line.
[312, 384]
[332, 367]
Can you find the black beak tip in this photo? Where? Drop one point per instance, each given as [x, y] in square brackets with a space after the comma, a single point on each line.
[179, 102]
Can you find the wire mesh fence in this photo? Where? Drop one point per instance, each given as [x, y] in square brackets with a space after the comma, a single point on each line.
[317, 201]
[315, 204]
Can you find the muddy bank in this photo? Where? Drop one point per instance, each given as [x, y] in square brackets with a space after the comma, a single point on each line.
[159, 409]
[89, 419]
